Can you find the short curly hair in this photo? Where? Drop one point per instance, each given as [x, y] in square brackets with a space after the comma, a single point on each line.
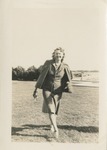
[61, 50]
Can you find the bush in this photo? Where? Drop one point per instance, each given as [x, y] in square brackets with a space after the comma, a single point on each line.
[19, 73]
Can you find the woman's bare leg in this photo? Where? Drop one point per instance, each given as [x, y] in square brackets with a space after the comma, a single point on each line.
[52, 128]
[52, 118]
[53, 123]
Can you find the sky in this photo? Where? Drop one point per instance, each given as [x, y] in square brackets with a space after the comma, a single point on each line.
[36, 32]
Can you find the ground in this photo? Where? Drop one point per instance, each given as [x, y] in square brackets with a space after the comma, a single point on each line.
[78, 119]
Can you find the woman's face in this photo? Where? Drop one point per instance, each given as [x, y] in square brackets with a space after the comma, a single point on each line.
[58, 55]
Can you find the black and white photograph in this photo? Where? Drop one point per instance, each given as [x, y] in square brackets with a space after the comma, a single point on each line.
[57, 67]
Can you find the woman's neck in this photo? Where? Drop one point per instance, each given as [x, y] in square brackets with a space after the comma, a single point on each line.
[57, 62]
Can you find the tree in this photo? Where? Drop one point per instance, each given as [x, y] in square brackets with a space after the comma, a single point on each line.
[32, 73]
[14, 74]
[17, 73]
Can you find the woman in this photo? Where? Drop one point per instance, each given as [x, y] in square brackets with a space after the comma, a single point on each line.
[54, 79]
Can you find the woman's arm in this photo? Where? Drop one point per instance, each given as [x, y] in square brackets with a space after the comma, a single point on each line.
[41, 78]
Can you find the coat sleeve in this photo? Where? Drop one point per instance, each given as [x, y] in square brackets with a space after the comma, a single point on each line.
[68, 84]
[43, 73]
[69, 72]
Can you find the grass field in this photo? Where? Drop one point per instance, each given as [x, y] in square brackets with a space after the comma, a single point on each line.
[78, 120]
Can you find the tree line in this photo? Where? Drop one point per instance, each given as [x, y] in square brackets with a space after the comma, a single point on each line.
[31, 74]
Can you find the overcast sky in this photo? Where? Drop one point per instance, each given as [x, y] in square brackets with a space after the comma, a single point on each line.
[37, 32]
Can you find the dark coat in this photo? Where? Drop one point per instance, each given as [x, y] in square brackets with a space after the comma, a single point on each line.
[66, 80]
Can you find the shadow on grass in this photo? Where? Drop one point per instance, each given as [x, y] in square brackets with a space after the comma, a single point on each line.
[15, 130]
[85, 129]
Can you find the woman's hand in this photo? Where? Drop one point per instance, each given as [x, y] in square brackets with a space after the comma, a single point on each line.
[35, 93]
